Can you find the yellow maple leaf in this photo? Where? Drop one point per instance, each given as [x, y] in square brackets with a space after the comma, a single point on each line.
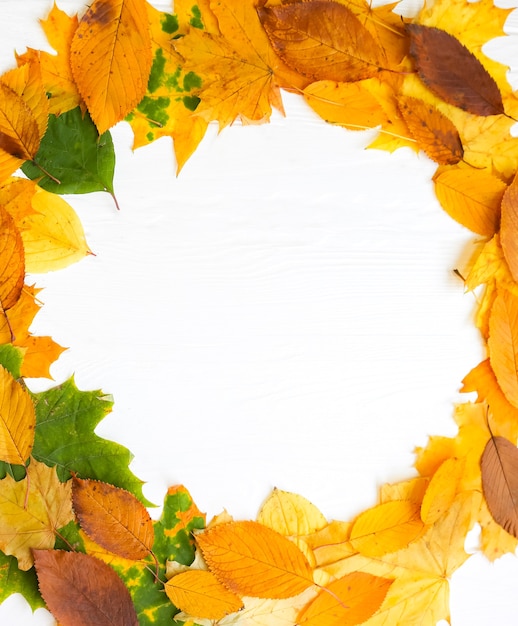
[31, 511]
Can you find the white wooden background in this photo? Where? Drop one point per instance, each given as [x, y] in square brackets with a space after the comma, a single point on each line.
[282, 314]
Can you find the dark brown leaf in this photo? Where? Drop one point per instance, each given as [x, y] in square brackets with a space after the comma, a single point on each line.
[452, 72]
[499, 466]
[81, 590]
[323, 40]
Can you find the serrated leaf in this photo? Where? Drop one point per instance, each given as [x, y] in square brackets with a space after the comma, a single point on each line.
[66, 409]
[75, 155]
[80, 590]
[113, 518]
[110, 58]
[199, 593]
[17, 420]
[31, 511]
[12, 261]
[251, 559]
[290, 514]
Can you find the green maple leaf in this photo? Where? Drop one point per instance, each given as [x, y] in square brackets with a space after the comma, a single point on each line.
[65, 421]
[72, 157]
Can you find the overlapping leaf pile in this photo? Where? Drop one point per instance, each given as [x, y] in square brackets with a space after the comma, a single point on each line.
[74, 531]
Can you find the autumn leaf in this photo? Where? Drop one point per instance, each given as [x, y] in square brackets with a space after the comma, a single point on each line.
[290, 514]
[73, 153]
[499, 466]
[386, 528]
[322, 40]
[14, 580]
[346, 602]
[31, 511]
[503, 343]
[113, 517]
[80, 590]
[12, 261]
[451, 71]
[17, 420]
[53, 238]
[434, 132]
[251, 559]
[11, 359]
[471, 197]
[509, 227]
[66, 409]
[442, 490]
[110, 58]
[200, 594]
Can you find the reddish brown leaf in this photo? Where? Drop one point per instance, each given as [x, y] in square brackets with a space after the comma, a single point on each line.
[509, 227]
[499, 466]
[81, 590]
[452, 72]
[113, 518]
[434, 133]
[323, 40]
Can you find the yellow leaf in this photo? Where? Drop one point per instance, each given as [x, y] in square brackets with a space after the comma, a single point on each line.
[17, 420]
[290, 514]
[251, 559]
[200, 594]
[31, 511]
[16, 198]
[471, 197]
[12, 261]
[386, 528]
[412, 489]
[494, 540]
[110, 58]
[442, 490]
[54, 237]
[346, 602]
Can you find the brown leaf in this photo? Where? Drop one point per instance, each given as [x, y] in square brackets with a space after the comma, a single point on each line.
[111, 59]
[323, 40]
[12, 261]
[434, 132]
[81, 590]
[452, 72]
[509, 227]
[503, 343]
[251, 559]
[113, 518]
[347, 601]
[499, 466]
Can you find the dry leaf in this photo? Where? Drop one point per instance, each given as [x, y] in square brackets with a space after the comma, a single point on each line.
[499, 466]
[110, 58]
[290, 514]
[12, 261]
[31, 511]
[471, 197]
[251, 559]
[442, 490]
[509, 227]
[323, 40]
[200, 594]
[346, 602]
[434, 132]
[386, 528]
[113, 518]
[503, 343]
[17, 420]
[80, 590]
[452, 72]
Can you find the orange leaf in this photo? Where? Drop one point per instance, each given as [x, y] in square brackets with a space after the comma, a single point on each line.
[16, 198]
[40, 354]
[199, 593]
[471, 197]
[509, 227]
[499, 466]
[251, 559]
[81, 590]
[113, 518]
[12, 261]
[452, 72]
[386, 528]
[323, 40]
[434, 132]
[111, 59]
[17, 420]
[347, 601]
[503, 343]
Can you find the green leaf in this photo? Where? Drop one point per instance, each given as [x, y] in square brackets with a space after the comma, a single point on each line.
[11, 358]
[65, 422]
[72, 152]
[13, 580]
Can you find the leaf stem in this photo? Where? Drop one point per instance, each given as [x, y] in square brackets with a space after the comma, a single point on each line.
[40, 167]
